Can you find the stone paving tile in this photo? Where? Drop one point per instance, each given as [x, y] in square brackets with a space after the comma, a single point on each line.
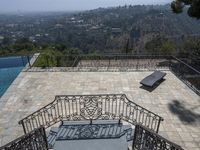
[172, 99]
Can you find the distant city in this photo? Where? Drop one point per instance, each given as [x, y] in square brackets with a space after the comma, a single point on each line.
[124, 29]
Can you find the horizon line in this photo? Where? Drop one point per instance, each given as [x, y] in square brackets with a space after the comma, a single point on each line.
[73, 11]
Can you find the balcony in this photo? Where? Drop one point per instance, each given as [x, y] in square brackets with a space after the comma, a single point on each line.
[175, 100]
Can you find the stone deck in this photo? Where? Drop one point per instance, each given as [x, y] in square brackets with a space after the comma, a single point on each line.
[172, 99]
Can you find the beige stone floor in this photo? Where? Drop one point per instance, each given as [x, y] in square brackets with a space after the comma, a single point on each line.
[172, 99]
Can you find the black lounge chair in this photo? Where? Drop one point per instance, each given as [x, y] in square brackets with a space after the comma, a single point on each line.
[153, 78]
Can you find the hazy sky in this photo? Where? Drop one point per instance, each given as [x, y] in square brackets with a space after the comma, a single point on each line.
[67, 5]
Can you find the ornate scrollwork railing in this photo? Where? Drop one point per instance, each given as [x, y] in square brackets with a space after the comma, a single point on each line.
[35, 140]
[91, 107]
[144, 139]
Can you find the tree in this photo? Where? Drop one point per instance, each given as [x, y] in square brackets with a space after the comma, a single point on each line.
[60, 47]
[191, 47]
[167, 48]
[71, 51]
[154, 46]
[160, 45]
[48, 58]
[5, 42]
[193, 10]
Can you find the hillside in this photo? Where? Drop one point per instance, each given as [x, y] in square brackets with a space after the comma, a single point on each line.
[99, 30]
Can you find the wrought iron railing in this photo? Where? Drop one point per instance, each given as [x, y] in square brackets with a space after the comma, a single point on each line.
[125, 61]
[91, 107]
[101, 61]
[145, 139]
[189, 75]
[35, 140]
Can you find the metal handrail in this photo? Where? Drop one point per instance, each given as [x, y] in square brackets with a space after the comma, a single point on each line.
[184, 72]
[192, 68]
[34, 140]
[147, 139]
[113, 54]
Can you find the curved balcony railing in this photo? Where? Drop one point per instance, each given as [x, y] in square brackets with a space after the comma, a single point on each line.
[91, 107]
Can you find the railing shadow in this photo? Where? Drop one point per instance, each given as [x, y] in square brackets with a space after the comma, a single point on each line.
[80, 131]
[185, 115]
[93, 131]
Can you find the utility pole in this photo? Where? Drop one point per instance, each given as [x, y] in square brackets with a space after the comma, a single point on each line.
[163, 24]
[127, 46]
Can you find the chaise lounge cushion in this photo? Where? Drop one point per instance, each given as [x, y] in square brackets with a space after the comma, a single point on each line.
[153, 78]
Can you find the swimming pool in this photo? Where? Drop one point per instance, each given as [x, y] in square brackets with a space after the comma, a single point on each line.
[10, 67]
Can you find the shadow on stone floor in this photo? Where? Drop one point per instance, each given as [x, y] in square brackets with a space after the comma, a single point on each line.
[185, 115]
[67, 131]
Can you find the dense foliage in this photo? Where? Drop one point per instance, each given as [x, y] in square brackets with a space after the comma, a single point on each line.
[124, 29]
[193, 10]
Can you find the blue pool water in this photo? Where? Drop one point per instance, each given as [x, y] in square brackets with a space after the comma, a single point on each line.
[10, 67]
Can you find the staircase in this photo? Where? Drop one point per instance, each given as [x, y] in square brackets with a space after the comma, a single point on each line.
[103, 116]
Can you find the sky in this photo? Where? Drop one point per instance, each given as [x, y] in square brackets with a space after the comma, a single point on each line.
[67, 5]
